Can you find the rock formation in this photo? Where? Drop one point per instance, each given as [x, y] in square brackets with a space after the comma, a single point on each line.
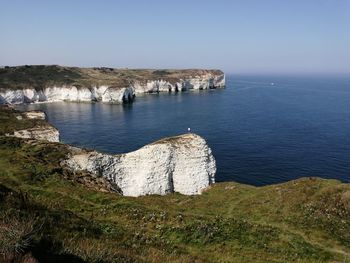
[41, 131]
[202, 82]
[54, 83]
[181, 164]
[44, 133]
[67, 93]
[35, 115]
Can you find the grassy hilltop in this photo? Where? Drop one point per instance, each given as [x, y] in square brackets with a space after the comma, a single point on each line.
[42, 76]
[49, 214]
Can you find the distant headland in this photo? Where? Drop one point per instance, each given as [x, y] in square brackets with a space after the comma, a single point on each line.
[41, 83]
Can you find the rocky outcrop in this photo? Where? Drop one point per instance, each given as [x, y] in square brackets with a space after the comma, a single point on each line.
[66, 93]
[183, 164]
[202, 82]
[35, 115]
[122, 87]
[43, 133]
[42, 130]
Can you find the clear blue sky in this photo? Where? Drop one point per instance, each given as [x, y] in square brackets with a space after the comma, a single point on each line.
[247, 36]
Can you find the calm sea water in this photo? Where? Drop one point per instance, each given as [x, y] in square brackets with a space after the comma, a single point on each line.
[262, 129]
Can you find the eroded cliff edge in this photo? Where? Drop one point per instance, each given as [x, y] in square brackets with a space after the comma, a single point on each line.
[28, 84]
[182, 164]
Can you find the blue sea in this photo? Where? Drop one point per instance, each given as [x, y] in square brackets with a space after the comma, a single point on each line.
[262, 129]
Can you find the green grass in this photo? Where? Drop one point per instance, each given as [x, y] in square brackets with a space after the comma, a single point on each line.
[306, 220]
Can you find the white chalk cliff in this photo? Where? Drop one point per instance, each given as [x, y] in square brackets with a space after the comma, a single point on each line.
[183, 164]
[109, 94]
[66, 93]
[206, 81]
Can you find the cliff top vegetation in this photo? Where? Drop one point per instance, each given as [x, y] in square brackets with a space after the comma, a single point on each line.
[42, 76]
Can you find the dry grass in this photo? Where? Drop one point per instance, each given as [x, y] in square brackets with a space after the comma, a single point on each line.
[42, 76]
[17, 234]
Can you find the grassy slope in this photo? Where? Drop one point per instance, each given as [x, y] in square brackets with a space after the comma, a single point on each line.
[305, 220]
[39, 77]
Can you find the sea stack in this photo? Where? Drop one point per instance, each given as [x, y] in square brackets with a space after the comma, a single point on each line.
[182, 164]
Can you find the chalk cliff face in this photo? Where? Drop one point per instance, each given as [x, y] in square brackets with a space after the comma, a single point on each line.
[207, 81]
[66, 93]
[181, 164]
[123, 87]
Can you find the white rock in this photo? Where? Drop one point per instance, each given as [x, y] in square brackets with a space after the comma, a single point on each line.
[109, 94]
[181, 164]
[30, 95]
[206, 81]
[64, 93]
[11, 96]
[118, 95]
[44, 133]
[38, 115]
